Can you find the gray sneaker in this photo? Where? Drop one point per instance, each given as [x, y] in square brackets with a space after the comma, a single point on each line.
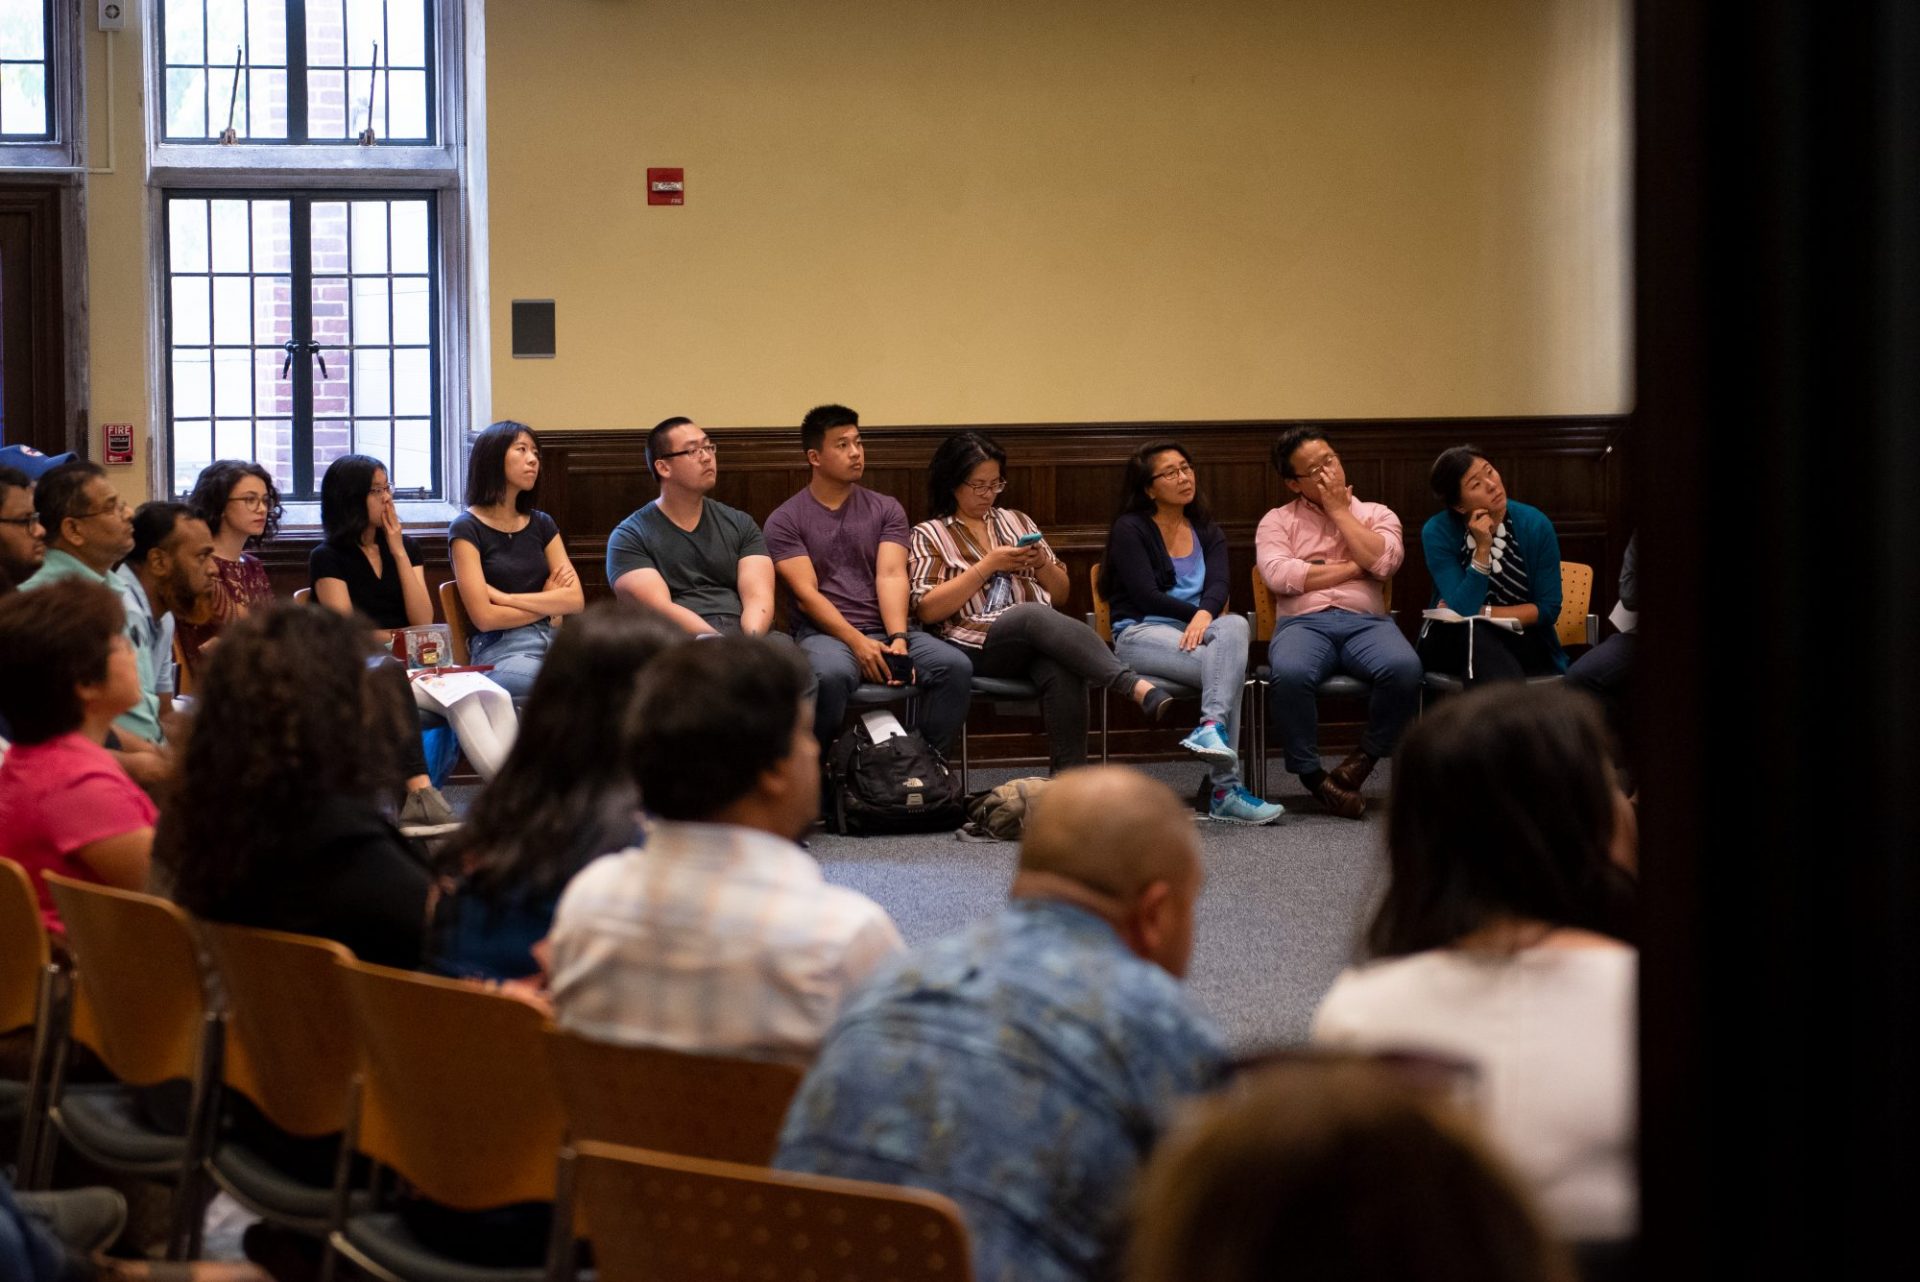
[425, 813]
[1238, 806]
[82, 1220]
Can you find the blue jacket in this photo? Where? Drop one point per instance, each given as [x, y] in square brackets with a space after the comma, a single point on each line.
[1444, 539]
[1139, 575]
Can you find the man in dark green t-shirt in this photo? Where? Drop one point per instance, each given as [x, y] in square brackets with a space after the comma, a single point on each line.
[702, 564]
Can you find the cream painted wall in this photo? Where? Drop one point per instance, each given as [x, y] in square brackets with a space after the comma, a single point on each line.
[1008, 211]
[117, 256]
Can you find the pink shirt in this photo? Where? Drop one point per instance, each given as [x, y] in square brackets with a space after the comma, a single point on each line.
[1291, 536]
[58, 796]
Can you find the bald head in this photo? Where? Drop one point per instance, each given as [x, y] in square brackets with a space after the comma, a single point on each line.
[1112, 829]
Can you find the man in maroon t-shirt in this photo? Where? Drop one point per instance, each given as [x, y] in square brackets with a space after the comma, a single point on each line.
[841, 551]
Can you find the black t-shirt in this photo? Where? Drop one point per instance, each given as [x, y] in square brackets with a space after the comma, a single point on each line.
[381, 597]
[514, 562]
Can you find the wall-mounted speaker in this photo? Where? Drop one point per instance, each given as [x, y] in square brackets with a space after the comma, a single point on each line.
[533, 329]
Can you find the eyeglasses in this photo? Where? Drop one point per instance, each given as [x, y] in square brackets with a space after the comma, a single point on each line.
[985, 487]
[26, 522]
[119, 507]
[252, 502]
[708, 450]
[1178, 469]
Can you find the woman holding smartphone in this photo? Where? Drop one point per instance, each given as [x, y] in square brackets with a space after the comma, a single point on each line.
[983, 578]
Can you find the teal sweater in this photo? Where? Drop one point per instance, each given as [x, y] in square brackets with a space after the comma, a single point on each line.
[1464, 590]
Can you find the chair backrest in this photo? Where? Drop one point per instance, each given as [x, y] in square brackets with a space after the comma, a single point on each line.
[137, 973]
[1264, 614]
[457, 1096]
[302, 595]
[728, 1110]
[25, 952]
[289, 1045]
[1576, 598]
[1102, 612]
[723, 1220]
[183, 682]
[457, 621]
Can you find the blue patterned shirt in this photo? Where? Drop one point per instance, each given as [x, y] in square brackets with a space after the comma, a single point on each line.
[1023, 1067]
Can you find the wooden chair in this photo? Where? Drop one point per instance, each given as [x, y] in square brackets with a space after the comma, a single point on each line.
[31, 992]
[291, 1052]
[723, 1109]
[142, 1007]
[457, 1098]
[1577, 625]
[302, 595]
[458, 623]
[1337, 686]
[723, 1220]
[183, 681]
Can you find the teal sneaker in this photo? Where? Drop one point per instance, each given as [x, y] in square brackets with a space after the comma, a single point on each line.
[1238, 806]
[1209, 744]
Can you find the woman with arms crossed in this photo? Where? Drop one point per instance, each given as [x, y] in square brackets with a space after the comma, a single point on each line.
[508, 559]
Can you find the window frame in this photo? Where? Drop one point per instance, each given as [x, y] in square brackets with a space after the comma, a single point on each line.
[301, 374]
[64, 149]
[449, 168]
[296, 41]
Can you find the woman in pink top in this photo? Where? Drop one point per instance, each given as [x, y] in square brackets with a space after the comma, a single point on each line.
[66, 806]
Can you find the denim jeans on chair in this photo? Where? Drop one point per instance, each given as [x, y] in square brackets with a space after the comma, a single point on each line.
[1217, 667]
[515, 653]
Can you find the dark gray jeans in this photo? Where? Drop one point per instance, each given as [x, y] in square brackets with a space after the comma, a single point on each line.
[1062, 656]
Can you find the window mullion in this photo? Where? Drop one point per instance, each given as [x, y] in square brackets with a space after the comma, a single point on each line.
[297, 71]
[300, 246]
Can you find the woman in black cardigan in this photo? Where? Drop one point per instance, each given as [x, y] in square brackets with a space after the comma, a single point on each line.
[1165, 579]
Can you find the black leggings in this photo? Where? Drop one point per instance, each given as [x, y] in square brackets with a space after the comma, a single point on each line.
[1063, 657]
[1498, 655]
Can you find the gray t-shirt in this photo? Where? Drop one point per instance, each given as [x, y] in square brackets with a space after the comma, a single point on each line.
[842, 544]
[702, 568]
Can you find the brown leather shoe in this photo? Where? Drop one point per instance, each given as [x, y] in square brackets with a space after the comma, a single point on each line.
[1339, 801]
[1352, 772]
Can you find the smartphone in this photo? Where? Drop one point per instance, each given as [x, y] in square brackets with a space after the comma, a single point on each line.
[1028, 540]
[900, 667]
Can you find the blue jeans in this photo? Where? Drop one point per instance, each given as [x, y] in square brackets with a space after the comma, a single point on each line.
[1217, 666]
[942, 671]
[1308, 648]
[515, 653]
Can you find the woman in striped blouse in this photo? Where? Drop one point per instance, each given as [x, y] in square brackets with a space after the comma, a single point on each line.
[972, 583]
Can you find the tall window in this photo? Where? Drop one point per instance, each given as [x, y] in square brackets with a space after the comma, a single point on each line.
[300, 329]
[308, 303]
[298, 71]
[25, 70]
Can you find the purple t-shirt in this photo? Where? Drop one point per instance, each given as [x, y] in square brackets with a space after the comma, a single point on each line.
[842, 545]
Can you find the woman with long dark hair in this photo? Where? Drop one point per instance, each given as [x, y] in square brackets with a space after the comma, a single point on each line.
[241, 506]
[1502, 938]
[367, 566]
[276, 820]
[564, 798]
[1495, 564]
[1165, 577]
[981, 577]
[508, 559]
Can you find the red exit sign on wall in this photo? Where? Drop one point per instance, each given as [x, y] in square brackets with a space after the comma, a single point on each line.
[666, 187]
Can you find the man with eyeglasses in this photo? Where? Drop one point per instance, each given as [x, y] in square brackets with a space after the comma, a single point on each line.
[89, 529]
[23, 540]
[1328, 557]
[702, 564]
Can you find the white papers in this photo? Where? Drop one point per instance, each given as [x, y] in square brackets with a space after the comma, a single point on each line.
[1624, 619]
[882, 725]
[1444, 615]
[449, 688]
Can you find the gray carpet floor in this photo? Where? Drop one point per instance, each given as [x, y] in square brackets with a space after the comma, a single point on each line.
[1279, 917]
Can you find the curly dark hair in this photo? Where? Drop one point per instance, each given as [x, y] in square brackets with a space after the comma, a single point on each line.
[214, 487]
[288, 716]
[565, 795]
[52, 641]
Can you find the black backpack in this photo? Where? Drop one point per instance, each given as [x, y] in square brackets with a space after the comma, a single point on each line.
[898, 785]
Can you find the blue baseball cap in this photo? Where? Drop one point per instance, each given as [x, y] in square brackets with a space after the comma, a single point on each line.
[25, 458]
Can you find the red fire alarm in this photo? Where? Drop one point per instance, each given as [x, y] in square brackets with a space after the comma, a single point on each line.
[666, 187]
[119, 442]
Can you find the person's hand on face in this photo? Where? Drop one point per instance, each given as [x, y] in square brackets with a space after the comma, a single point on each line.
[1330, 491]
[1480, 526]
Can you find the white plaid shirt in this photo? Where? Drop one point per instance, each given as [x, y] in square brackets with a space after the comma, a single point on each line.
[715, 940]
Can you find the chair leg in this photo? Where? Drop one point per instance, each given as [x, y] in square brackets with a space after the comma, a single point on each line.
[1106, 733]
[965, 758]
[562, 1256]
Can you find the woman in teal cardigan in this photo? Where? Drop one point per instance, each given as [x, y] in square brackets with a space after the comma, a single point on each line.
[1491, 559]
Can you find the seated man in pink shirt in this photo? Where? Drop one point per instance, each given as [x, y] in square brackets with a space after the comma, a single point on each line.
[1327, 556]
